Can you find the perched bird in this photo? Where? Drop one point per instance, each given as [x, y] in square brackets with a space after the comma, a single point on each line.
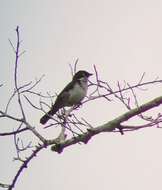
[71, 95]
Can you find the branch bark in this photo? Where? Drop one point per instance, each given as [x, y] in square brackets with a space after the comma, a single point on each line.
[109, 126]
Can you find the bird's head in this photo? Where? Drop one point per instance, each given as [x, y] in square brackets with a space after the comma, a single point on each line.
[81, 74]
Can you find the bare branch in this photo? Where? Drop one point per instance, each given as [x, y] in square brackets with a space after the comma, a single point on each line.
[111, 125]
[73, 71]
[111, 92]
[13, 48]
[14, 132]
[31, 103]
[15, 72]
[75, 65]
[24, 165]
[141, 79]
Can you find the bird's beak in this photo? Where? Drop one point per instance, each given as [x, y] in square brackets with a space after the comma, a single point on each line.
[90, 74]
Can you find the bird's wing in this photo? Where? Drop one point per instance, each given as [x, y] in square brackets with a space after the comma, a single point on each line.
[62, 99]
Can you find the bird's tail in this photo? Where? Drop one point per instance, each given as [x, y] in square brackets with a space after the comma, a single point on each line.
[46, 117]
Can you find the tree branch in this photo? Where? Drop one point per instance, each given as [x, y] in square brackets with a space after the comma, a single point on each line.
[109, 126]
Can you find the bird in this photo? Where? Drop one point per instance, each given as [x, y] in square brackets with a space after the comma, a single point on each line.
[71, 95]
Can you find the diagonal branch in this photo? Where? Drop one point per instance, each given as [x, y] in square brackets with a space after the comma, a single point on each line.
[24, 165]
[109, 126]
[14, 132]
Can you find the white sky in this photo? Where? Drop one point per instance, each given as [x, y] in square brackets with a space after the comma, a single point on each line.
[123, 39]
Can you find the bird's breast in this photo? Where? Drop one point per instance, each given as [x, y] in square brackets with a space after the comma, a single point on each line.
[78, 92]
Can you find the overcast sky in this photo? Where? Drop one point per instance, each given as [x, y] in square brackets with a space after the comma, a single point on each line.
[123, 38]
